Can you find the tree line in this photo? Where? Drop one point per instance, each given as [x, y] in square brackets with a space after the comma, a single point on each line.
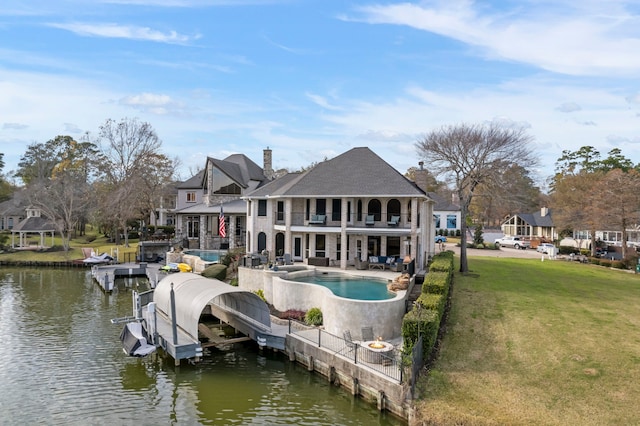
[120, 175]
[109, 180]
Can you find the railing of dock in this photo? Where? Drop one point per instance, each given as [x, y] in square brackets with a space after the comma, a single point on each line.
[388, 364]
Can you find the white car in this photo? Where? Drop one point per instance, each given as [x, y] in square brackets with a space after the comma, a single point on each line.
[512, 241]
[545, 247]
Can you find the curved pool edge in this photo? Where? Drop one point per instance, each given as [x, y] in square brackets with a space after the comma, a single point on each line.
[339, 314]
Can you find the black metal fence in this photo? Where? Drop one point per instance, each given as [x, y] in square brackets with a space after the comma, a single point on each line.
[387, 363]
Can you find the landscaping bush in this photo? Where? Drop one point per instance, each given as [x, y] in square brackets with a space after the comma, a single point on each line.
[618, 264]
[313, 317]
[260, 293]
[216, 271]
[436, 282]
[424, 322]
[605, 263]
[294, 314]
[434, 302]
[568, 250]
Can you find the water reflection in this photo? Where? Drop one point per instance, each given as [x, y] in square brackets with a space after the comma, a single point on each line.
[61, 363]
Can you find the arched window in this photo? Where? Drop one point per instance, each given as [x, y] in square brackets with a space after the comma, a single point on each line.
[393, 208]
[262, 241]
[279, 244]
[375, 208]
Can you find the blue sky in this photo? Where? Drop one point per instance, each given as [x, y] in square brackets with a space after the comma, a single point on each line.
[312, 79]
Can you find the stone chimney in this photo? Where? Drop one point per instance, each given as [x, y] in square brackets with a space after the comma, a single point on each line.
[267, 168]
[420, 177]
[544, 211]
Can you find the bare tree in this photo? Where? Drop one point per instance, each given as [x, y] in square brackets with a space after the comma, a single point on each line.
[133, 169]
[470, 155]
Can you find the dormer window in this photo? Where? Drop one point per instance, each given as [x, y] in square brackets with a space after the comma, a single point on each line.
[191, 197]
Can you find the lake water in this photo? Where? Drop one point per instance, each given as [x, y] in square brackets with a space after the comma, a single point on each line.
[61, 363]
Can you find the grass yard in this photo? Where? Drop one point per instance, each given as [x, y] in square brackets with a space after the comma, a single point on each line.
[99, 245]
[531, 342]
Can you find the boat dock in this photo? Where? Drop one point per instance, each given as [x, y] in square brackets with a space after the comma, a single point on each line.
[106, 274]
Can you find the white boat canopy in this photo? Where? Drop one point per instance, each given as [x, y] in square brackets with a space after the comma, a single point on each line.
[193, 292]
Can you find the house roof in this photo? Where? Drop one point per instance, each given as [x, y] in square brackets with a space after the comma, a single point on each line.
[442, 204]
[357, 172]
[237, 206]
[194, 182]
[34, 224]
[536, 219]
[16, 205]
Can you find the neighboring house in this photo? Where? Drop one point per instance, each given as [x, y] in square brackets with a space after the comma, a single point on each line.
[163, 214]
[33, 224]
[445, 214]
[582, 239]
[219, 186]
[12, 211]
[537, 225]
[354, 205]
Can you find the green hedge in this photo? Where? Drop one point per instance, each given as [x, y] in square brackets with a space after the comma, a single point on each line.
[434, 302]
[426, 314]
[436, 283]
[424, 322]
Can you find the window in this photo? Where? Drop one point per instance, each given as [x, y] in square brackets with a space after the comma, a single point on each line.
[262, 207]
[375, 208]
[321, 206]
[336, 209]
[193, 226]
[191, 197]
[320, 245]
[452, 222]
[222, 184]
[437, 216]
[280, 211]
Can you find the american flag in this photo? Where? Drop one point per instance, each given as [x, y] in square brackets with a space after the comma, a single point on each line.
[221, 225]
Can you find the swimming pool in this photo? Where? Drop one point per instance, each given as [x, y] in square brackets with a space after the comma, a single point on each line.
[207, 255]
[350, 286]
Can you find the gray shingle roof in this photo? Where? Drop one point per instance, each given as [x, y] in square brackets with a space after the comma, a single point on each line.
[194, 182]
[442, 204]
[536, 219]
[357, 172]
[34, 224]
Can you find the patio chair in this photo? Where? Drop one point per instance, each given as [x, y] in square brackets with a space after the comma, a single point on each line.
[351, 345]
[361, 264]
[370, 221]
[394, 221]
[367, 334]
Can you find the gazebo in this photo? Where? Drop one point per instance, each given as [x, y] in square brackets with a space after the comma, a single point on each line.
[33, 224]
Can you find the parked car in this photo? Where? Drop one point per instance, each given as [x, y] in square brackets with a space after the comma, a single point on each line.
[513, 241]
[545, 247]
[441, 239]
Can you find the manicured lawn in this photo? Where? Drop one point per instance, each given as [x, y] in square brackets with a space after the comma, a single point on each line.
[100, 245]
[531, 342]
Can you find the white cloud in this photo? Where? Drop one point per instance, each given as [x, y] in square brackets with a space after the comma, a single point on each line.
[125, 31]
[575, 39]
[154, 103]
[14, 126]
[569, 107]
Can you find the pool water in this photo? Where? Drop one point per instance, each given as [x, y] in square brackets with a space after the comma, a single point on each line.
[351, 287]
[206, 255]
